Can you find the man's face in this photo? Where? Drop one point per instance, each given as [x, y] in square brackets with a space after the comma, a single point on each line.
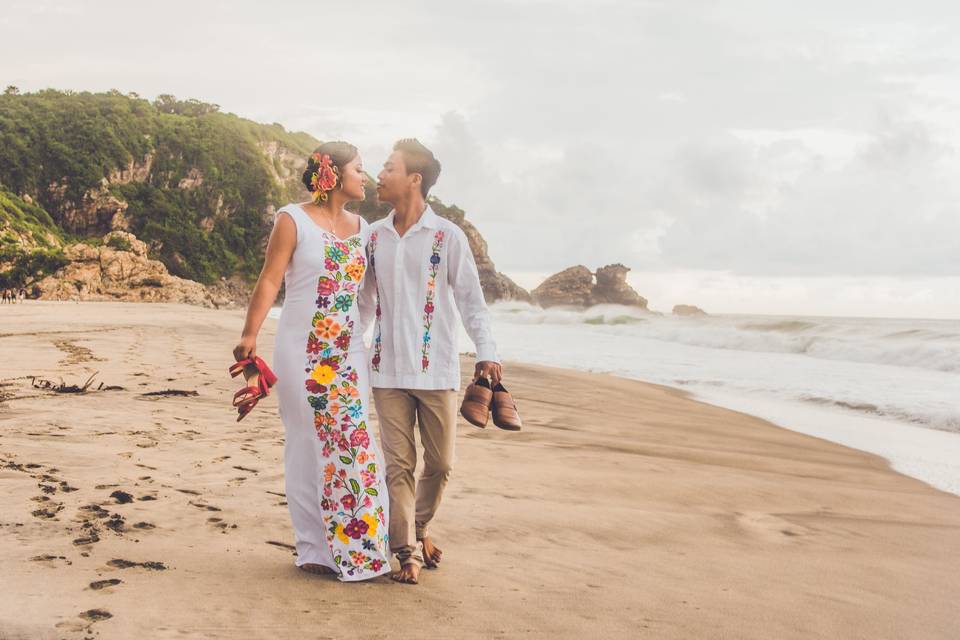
[393, 182]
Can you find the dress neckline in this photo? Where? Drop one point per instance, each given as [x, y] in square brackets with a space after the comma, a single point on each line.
[327, 231]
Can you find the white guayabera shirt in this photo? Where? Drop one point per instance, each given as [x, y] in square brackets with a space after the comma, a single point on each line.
[418, 283]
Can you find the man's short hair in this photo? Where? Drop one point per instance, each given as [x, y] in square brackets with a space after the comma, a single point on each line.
[419, 159]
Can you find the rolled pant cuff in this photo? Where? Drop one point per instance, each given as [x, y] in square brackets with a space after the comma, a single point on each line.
[411, 554]
[421, 531]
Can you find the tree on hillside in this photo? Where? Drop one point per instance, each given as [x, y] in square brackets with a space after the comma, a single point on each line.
[166, 103]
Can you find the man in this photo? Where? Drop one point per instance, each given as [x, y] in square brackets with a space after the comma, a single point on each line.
[423, 273]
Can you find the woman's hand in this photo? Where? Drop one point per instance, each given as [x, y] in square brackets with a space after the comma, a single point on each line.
[247, 348]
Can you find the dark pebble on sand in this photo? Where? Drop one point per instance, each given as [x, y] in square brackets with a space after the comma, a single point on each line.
[144, 525]
[146, 498]
[122, 497]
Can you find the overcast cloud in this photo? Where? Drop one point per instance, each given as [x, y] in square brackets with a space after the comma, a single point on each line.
[754, 139]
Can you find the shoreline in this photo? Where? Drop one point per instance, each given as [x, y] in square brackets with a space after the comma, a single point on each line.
[622, 507]
[775, 411]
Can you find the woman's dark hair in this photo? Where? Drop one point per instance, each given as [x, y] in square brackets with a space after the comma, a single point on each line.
[341, 154]
[419, 159]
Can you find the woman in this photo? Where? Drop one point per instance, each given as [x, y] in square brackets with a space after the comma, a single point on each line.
[334, 469]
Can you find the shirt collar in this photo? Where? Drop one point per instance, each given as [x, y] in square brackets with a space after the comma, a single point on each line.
[428, 220]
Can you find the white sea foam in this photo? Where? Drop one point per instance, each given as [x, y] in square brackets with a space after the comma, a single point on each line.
[880, 385]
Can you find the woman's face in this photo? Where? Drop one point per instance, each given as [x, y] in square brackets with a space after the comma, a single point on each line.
[352, 179]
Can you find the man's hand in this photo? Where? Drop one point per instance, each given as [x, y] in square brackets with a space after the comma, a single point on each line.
[490, 370]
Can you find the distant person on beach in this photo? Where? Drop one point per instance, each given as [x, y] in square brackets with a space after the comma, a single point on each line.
[7, 297]
[424, 274]
[335, 485]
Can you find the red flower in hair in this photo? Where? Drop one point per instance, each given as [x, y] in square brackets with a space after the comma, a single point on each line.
[325, 178]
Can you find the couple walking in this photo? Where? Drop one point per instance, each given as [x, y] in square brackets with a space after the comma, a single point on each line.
[410, 274]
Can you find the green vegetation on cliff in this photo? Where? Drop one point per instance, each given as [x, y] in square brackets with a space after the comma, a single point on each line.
[29, 242]
[197, 182]
[23, 223]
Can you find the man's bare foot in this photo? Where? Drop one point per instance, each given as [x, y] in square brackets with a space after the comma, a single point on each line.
[431, 553]
[408, 574]
[318, 569]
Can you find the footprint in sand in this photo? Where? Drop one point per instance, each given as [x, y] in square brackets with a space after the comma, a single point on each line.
[283, 545]
[93, 511]
[51, 559]
[103, 584]
[90, 538]
[116, 523]
[84, 621]
[118, 563]
[247, 469]
[122, 497]
[49, 512]
[771, 527]
[201, 505]
[218, 523]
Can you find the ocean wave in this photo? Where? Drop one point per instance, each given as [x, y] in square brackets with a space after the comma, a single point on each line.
[926, 344]
[942, 421]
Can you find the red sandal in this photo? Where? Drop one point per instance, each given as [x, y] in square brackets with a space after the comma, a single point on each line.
[247, 398]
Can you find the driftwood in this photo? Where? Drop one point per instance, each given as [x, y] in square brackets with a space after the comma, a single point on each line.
[63, 387]
[48, 385]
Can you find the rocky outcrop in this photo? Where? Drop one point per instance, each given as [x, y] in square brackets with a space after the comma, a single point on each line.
[579, 287]
[192, 180]
[286, 166]
[688, 310]
[612, 288]
[570, 287]
[496, 286]
[98, 211]
[119, 269]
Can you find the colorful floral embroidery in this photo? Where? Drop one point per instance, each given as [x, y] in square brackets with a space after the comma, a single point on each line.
[356, 524]
[431, 291]
[377, 345]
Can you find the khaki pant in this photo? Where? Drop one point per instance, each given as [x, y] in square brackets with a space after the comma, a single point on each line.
[414, 504]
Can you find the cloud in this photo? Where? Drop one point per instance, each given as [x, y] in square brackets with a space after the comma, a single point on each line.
[746, 137]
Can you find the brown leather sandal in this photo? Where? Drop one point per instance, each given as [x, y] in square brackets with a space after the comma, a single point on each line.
[477, 400]
[505, 414]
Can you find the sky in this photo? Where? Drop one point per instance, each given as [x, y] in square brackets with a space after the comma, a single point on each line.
[747, 156]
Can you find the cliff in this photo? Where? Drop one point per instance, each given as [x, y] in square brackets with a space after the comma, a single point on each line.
[198, 187]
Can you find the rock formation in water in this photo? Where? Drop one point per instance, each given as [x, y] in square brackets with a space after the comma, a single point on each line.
[688, 310]
[612, 288]
[579, 287]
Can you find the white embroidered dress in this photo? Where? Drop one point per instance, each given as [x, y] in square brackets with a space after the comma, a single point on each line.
[335, 485]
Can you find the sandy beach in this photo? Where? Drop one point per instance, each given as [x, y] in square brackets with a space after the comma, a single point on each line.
[622, 509]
